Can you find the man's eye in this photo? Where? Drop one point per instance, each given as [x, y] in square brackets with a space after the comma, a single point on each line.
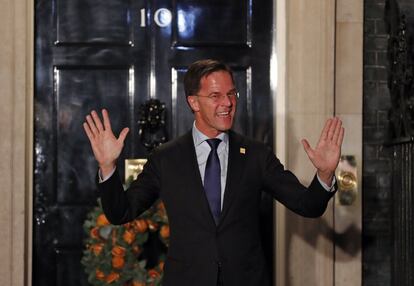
[214, 96]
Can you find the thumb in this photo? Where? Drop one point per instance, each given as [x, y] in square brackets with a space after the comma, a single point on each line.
[307, 147]
[123, 134]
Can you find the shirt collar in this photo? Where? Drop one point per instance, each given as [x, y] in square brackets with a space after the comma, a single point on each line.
[200, 137]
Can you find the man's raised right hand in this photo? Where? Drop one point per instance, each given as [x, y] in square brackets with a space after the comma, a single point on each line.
[105, 146]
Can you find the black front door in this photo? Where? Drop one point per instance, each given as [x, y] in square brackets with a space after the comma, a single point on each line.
[118, 54]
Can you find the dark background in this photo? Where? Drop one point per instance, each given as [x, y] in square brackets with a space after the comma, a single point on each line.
[378, 217]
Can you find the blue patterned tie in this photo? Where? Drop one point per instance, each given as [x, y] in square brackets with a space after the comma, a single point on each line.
[212, 181]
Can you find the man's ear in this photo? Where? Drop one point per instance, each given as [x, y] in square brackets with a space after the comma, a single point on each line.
[193, 103]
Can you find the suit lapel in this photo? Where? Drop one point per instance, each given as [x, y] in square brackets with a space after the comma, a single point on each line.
[194, 182]
[236, 165]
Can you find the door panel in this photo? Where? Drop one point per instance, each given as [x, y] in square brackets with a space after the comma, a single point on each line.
[93, 22]
[78, 90]
[116, 54]
[212, 23]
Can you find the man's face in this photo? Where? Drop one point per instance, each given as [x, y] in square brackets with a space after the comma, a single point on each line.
[215, 103]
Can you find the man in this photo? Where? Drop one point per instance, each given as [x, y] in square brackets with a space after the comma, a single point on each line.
[211, 180]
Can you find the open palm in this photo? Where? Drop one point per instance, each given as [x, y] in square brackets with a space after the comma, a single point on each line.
[325, 156]
[105, 146]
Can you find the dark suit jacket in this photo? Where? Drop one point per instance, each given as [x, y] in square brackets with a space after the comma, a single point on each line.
[199, 249]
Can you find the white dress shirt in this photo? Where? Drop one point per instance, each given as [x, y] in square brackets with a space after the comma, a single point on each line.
[203, 150]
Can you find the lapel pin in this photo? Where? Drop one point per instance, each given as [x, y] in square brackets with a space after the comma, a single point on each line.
[242, 150]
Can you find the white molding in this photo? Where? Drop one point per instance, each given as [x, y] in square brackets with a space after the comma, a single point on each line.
[280, 118]
[29, 140]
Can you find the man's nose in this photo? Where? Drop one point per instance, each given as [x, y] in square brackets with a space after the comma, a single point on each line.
[226, 100]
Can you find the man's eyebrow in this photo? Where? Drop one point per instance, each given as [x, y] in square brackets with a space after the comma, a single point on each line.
[218, 92]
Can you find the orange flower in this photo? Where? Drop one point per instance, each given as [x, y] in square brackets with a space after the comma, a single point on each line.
[118, 251]
[101, 220]
[94, 233]
[118, 262]
[165, 231]
[153, 273]
[112, 277]
[97, 248]
[128, 236]
[137, 283]
[141, 225]
[152, 225]
[99, 275]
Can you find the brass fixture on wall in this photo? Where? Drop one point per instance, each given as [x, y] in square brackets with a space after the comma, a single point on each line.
[346, 175]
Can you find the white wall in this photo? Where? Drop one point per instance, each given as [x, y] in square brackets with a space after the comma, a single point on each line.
[16, 68]
[322, 77]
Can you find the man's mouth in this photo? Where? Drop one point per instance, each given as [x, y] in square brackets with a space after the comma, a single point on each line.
[223, 114]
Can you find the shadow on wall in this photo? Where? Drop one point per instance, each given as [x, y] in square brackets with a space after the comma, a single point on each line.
[311, 231]
[321, 236]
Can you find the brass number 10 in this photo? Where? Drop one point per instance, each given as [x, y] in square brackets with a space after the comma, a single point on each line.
[162, 17]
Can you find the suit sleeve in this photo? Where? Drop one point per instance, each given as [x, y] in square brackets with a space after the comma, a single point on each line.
[285, 187]
[122, 206]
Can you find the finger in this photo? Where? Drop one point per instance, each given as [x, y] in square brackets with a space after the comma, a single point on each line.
[92, 126]
[123, 134]
[332, 128]
[97, 121]
[88, 131]
[341, 136]
[307, 147]
[338, 127]
[324, 134]
[106, 121]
